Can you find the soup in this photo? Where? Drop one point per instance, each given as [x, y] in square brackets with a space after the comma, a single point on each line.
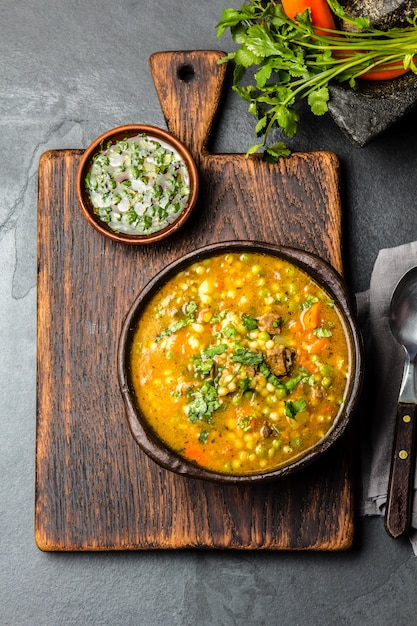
[240, 363]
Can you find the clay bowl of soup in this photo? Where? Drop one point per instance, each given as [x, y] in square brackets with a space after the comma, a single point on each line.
[137, 184]
[240, 362]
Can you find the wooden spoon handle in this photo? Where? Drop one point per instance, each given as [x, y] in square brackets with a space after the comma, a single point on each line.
[189, 87]
[401, 480]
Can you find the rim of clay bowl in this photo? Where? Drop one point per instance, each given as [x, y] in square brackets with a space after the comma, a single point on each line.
[117, 134]
[325, 276]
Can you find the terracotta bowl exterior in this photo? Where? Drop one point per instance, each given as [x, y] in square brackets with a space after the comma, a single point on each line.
[324, 275]
[117, 134]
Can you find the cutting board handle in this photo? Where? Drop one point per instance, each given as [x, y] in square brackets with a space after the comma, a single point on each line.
[189, 87]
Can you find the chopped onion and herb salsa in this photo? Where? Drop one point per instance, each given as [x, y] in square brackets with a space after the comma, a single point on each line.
[138, 185]
[240, 363]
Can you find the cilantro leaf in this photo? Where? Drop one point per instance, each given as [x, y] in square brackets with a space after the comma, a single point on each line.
[245, 384]
[288, 119]
[204, 361]
[308, 302]
[249, 322]
[197, 409]
[190, 310]
[245, 57]
[247, 357]
[294, 407]
[230, 332]
[212, 351]
[318, 100]
[229, 19]
[218, 317]
[202, 366]
[262, 75]
[291, 384]
[203, 436]
[322, 333]
[203, 404]
[272, 153]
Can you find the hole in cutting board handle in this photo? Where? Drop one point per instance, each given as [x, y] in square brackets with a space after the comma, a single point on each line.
[185, 72]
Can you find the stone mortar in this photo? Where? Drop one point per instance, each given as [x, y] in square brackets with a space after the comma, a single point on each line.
[366, 112]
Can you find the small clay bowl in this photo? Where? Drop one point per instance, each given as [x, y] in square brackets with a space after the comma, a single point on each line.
[325, 276]
[113, 136]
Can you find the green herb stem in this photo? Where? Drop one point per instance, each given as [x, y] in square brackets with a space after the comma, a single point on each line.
[292, 61]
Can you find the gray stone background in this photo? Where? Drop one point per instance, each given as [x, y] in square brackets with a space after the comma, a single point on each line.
[69, 70]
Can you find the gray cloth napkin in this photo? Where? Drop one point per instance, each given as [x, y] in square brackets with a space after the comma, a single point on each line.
[384, 365]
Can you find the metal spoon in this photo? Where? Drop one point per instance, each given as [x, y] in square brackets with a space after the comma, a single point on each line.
[403, 323]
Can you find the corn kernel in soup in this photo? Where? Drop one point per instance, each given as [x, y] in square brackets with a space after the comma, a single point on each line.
[240, 363]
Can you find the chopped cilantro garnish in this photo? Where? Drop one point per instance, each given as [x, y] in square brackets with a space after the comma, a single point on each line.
[245, 384]
[203, 436]
[190, 310]
[264, 370]
[201, 366]
[218, 317]
[288, 386]
[249, 322]
[308, 302]
[197, 409]
[204, 361]
[274, 380]
[322, 333]
[247, 357]
[291, 384]
[204, 403]
[245, 423]
[294, 407]
[208, 353]
[230, 332]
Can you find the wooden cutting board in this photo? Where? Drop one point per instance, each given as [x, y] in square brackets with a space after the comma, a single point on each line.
[95, 489]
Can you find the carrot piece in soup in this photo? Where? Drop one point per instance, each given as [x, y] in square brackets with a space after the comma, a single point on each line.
[318, 346]
[311, 317]
[196, 453]
[306, 363]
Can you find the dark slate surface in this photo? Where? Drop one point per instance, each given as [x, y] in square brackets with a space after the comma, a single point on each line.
[70, 70]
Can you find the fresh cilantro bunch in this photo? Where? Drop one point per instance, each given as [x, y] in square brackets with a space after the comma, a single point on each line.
[290, 61]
